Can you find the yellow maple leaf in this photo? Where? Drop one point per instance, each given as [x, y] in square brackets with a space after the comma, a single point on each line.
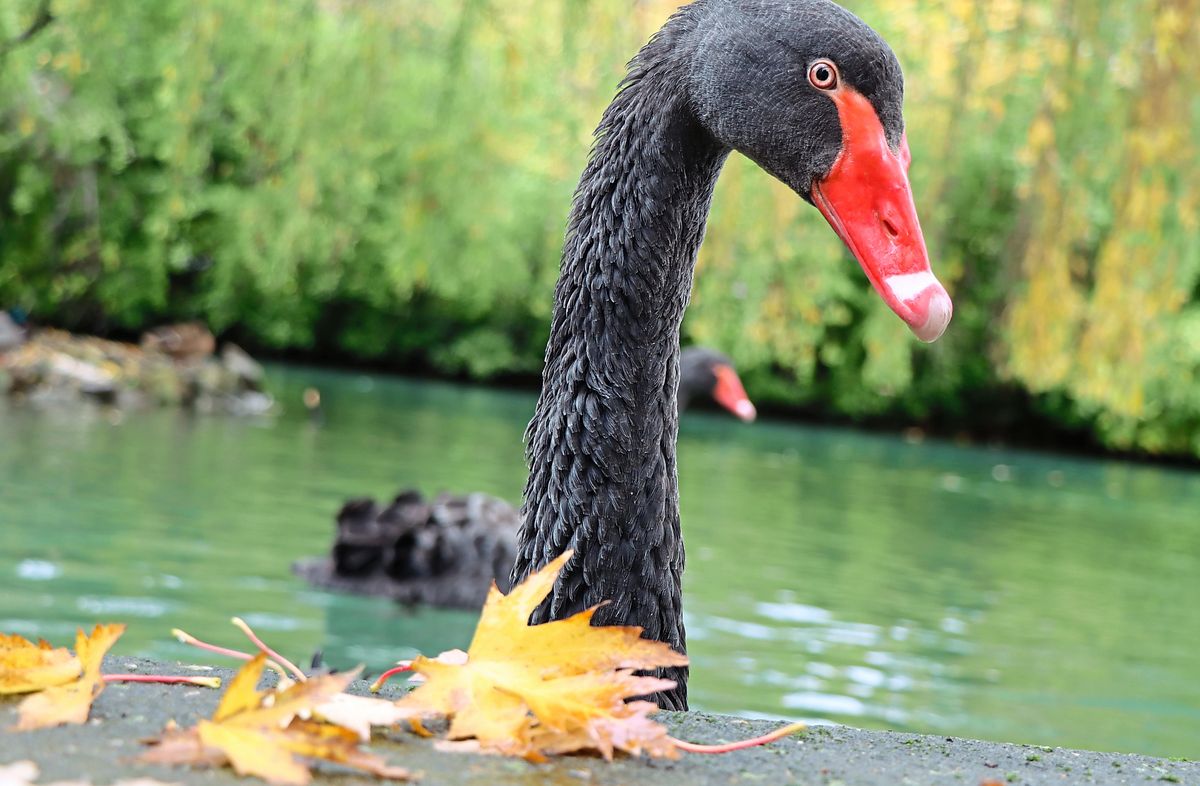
[531, 690]
[263, 733]
[70, 702]
[26, 667]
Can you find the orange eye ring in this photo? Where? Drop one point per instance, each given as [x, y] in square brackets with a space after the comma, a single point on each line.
[823, 75]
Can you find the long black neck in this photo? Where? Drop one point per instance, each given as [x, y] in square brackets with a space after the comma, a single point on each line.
[601, 445]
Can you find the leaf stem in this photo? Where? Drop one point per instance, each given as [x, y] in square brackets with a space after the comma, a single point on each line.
[187, 638]
[287, 664]
[387, 675]
[783, 731]
[166, 679]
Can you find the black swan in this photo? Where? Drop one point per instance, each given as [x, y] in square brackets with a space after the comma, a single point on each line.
[446, 552]
[814, 96]
[706, 373]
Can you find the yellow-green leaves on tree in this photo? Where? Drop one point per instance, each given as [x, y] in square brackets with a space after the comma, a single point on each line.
[1056, 169]
[1107, 314]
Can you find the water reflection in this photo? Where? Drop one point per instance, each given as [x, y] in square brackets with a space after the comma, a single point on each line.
[831, 575]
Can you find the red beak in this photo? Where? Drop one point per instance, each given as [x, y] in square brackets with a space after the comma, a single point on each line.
[729, 393]
[867, 200]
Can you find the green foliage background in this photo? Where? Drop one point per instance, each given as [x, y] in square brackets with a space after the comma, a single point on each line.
[389, 180]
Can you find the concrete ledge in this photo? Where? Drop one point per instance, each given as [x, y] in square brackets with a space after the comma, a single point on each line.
[102, 752]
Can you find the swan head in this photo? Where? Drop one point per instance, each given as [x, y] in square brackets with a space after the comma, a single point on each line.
[815, 97]
[704, 371]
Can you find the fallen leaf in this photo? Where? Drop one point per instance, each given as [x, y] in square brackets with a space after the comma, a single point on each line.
[263, 733]
[360, 713]
[26, 667]
[357, 713]
[242, 695]
[24, 773]
[553, 688]
[70, 703]
[18, 772]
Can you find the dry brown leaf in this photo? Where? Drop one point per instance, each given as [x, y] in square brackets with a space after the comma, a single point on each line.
[357, 713]
[71, 702]
[19, 772]
[263, 732]
[360, 713]
[26, 667]
[24, 773]
[562, 686]
[182, 746]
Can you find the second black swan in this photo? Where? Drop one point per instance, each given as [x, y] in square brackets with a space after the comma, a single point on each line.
[447, 551]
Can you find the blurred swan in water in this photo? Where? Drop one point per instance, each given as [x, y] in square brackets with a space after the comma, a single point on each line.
[447, 551]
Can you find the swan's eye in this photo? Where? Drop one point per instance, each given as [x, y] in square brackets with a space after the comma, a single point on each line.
[823, 75]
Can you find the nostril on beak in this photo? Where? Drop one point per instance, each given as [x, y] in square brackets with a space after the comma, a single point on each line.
[890, 228]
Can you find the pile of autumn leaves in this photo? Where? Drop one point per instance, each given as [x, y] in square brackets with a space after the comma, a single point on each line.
[521, 690]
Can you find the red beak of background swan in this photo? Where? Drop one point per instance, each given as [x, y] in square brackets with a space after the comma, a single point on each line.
[729, 393]
[867, 200]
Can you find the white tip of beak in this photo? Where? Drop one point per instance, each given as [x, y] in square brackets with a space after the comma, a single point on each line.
[745, 410]
[921, 294]
[939, 310]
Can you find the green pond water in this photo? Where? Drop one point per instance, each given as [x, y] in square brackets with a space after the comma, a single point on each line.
[831, 575]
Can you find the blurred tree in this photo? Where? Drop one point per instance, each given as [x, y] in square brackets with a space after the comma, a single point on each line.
[390, 179]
